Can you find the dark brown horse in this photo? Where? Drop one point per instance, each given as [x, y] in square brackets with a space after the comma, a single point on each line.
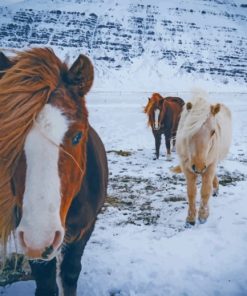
[53, 166]
[163, 117]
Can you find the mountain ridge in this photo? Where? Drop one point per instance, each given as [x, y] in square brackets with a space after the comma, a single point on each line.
[193, 42]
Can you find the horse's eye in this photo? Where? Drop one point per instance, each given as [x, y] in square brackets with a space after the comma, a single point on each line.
[212, 132]
[76, 139]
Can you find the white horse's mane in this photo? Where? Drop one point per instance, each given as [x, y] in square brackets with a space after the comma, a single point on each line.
[192, 120]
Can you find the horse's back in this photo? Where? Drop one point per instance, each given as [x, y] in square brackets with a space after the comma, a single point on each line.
[85, 207]
[224, 121]
[177, 100]
[173, 107]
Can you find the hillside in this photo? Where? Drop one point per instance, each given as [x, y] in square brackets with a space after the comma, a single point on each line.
[139, 45]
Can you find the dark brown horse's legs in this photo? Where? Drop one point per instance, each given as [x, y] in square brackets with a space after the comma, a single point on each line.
[168, 143]
[71, 264]
[44, 274]
[174, 144]
[157, 144]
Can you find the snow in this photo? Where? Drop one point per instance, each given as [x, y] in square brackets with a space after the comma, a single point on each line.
[140, 246]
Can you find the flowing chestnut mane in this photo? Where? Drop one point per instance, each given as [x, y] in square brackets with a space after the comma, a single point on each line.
[155, 99]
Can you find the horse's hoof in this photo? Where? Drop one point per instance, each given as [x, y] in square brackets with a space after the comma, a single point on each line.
[168, 157]
[189, 224]
[215, 192]
[202, 220]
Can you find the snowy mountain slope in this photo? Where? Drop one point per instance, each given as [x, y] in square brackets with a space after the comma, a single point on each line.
[139, 45]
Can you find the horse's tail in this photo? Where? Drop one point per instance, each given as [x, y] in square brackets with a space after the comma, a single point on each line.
[177, 169]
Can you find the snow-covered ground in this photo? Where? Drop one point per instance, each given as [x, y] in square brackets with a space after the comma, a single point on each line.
[140, 246]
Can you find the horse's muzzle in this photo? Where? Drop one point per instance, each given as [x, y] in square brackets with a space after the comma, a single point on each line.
[198, 171]
[45, 253]
[156, 128]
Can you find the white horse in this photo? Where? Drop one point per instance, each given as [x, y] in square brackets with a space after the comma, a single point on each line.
[203, 139]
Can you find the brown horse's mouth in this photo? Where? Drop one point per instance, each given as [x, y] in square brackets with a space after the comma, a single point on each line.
[48, 254]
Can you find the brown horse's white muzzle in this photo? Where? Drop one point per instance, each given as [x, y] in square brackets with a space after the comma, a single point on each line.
[44, 249]
[156, 125]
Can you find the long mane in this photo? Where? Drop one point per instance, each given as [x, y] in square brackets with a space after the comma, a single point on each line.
[24, 90]
[156, 97]
[192, 120]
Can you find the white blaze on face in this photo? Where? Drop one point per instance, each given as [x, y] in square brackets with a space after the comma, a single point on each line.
[156, 118]
[42, 198]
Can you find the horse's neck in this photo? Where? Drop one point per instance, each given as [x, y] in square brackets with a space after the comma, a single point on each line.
[167, 114]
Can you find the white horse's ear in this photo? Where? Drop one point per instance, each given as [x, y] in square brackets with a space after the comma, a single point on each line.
[215, 109]
[189, 106]
[81, 74]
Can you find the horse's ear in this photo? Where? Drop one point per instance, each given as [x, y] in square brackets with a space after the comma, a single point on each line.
[149, 99]
[215, 109]
[81, 75]
[189, 106]
[5, 63]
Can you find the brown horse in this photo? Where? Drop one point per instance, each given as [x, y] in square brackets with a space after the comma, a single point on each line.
[163, 117]
[203, 139]
[53, 166]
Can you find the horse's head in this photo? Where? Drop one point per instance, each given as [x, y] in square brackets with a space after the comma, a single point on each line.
[154, 110]
[50, 168]
[201, 143]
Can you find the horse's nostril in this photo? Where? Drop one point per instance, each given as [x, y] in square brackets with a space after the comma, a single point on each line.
[21, 238]
[56, 243]
[193, 167]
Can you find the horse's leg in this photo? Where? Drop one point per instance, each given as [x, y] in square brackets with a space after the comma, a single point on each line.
[70, 265]
[174, 144]
[191, 192]
[206, 191]
[157, 137]
[44, 274]
[215, 186]
[168, 144]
